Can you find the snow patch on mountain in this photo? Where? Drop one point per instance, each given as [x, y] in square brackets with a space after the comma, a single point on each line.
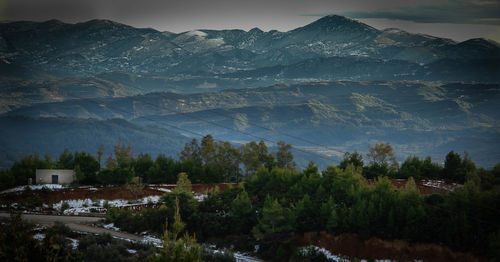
[196, 33]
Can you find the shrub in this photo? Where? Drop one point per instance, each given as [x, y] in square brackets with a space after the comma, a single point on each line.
[106, 248]
[146, 220]
[310, 253]
[64, 206]
[34, 201]
[7, 180]
[45, 190]
[208, 255]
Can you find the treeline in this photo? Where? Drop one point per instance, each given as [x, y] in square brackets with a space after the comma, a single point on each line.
[211, 161]
[208, 161]
[382, 162]
[272, 207]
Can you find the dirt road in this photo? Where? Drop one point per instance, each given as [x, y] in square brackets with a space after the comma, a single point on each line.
[76, 223]
[50, 219]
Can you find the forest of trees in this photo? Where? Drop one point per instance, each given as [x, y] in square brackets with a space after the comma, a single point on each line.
[211, 161]
[275, 201]
[273, 206]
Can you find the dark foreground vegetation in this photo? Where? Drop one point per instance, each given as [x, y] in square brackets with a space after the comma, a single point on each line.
[272, 207]
[275, 202]
[59, 243]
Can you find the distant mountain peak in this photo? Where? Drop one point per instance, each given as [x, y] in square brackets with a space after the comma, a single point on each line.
[97, 23]
[336, 28]
[101, 21]
[330, 21]
[337, 23]
[54, 22]
[482, 41]
[334, 17]
[255, 30]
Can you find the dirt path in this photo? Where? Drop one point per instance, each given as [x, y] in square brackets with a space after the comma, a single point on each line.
[50, 219]
[75, 223]
[98, 230]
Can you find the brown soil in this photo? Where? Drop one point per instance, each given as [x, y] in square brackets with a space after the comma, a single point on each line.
[352, 246]
[106, 193]
[424, 189]
[201, 188]
[121, 192]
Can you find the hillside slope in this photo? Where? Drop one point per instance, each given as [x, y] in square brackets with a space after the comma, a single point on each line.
[20, 136]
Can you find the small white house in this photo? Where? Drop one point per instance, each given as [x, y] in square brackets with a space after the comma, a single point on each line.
[54, 176]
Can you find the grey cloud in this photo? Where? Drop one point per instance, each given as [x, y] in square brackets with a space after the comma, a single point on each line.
[453, 11]
[44, 10]
[283, 15]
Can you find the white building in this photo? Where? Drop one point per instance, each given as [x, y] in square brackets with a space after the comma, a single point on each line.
[54, 176]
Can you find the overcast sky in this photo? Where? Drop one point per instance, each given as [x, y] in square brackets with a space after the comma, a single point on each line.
[456, 19]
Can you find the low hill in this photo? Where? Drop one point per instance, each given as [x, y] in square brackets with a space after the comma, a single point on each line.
[23, 135]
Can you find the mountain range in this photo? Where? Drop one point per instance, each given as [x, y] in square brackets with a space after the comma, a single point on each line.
[331, 86]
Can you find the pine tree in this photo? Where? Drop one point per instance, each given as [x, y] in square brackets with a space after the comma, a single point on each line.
[284, 156]
[184, 249]
[123, 154]
[136, 187]
[183, 184]
[274, 218]
[241, 205]
[333, 221]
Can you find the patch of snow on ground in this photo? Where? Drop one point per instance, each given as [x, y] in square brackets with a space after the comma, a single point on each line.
[81, 210]
[243, 258]
[237, 255]
[440, 184]
[85, 205]
[196, 33]
[121, 238]
[74, 242]
[131, 251]
[39, 227]
[33, 187]
[153, 240]
[111, 226]
[75, 203]
[325, 252]
[150, 199]
[200, 198]
[39, 236]
[162, 189]
[337, 258]
[216, 41]
[118, 203]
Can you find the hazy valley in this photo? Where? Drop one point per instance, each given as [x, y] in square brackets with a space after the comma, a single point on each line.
[336, 82]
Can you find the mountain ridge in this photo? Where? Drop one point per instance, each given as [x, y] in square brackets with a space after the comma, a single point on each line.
[27, 135]
[99, 46]
[336, 81]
